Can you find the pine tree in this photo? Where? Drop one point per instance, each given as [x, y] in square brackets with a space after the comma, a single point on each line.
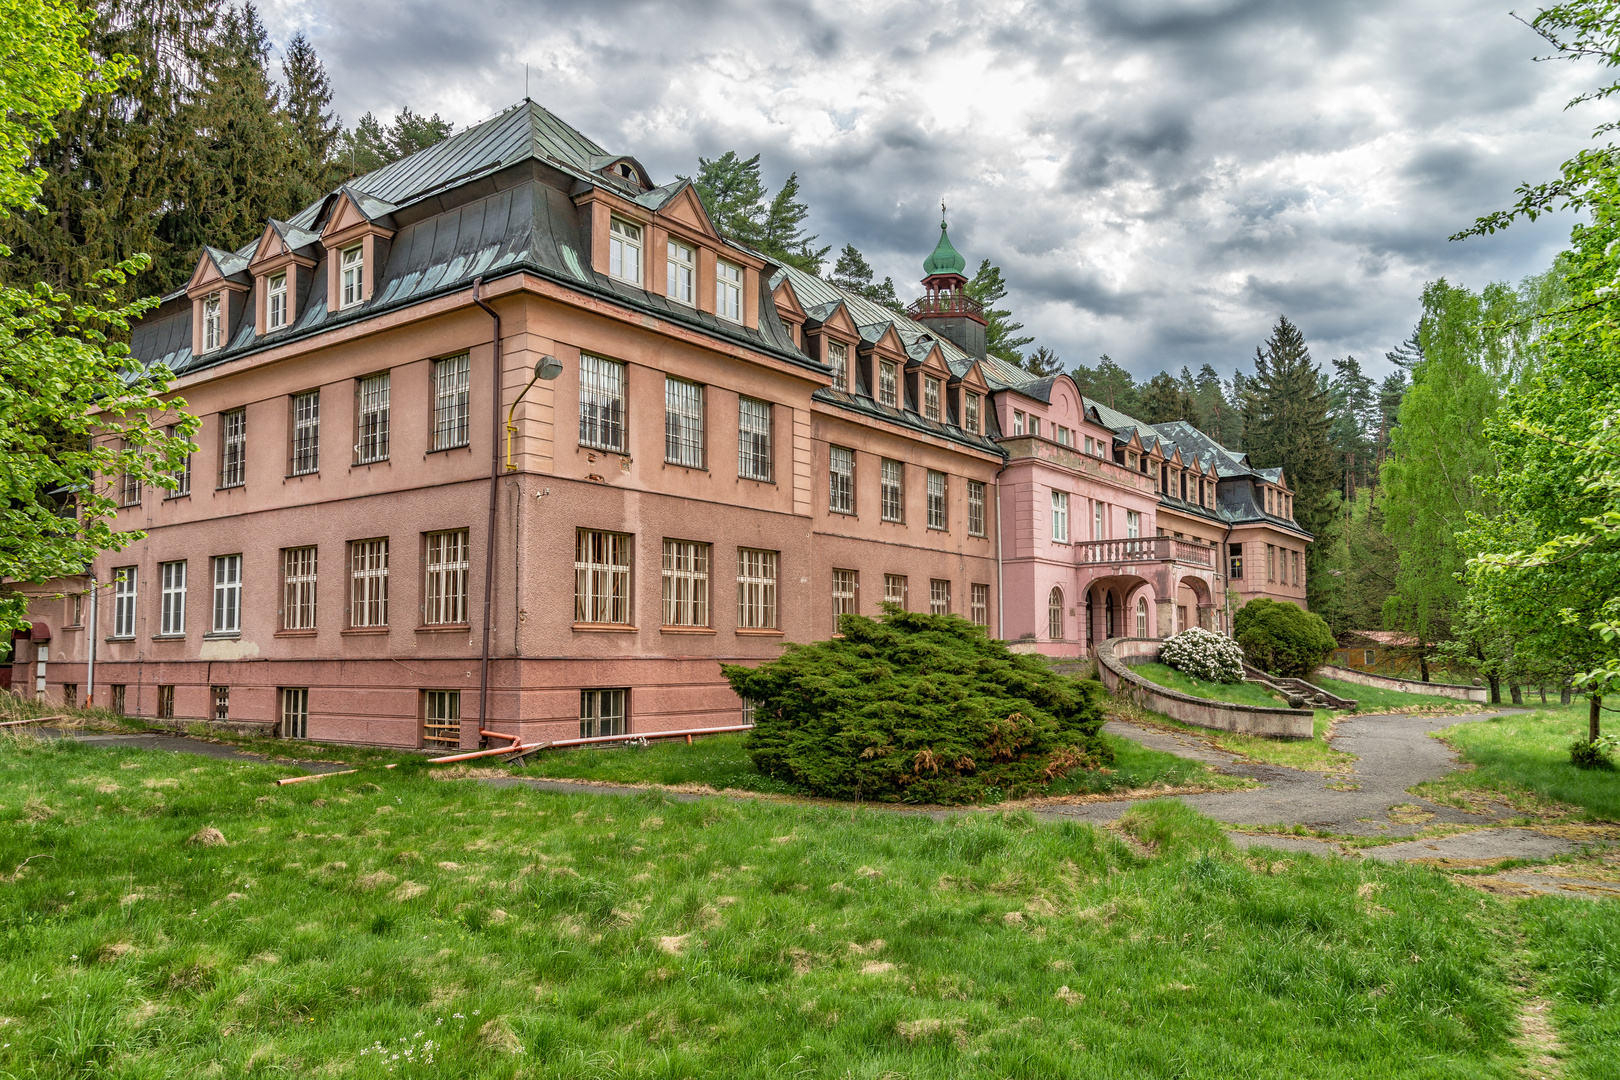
[1043, 362]
[1351, 394]
[368, 146]
[853, 273]
[1001, 336]
[308, 92]
[744, 211]
[1285, 423]
[1108, 383]
[1217, 417]
[784, 236]
[1165, 400]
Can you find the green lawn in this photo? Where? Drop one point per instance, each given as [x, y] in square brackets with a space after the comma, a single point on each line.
[1529, 752]
[720, 762]
[1313, 754]
[1371, 699]
[1243, 693]
[388, 924]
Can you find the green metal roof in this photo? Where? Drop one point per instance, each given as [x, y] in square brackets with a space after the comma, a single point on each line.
[945, 259]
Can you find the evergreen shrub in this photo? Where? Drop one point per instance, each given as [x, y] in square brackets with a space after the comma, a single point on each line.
[1584, 754]
[1281, 637]
[917, 708]
[1203, 655]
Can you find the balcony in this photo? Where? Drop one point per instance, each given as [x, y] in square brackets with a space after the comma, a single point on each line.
[1146, 549]
[937, 304]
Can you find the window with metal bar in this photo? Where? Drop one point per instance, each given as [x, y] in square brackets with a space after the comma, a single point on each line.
[1060, 517]
[1054, 614]
[298, 581]
[450, 402]
[686, 583]
[979, 604]
[441, 718]
[975, 507]
[294, 712]
[756, 589]
[680, 273]
[888, 384]
[275, 304]
[683, 423]
[845, 585]
[728, 280]
[306, 433]
[931, 396]
[624, 251]
[165, 702]
[445, 590]
[125, 581]
[227, 594]
[233, 448]
[180, 479]
[937, 516]
[173, 622]
[894, 589]
[354, 268]
[754, 440]
[601, 403]
[371, 420]
[970, 412]
[838, 360]
[841, 480]
[939, 597]
[368, 583]
[213, 314]
[892, 489]
[602, 712]
[129, 488]
[222, 702]
[602, 577]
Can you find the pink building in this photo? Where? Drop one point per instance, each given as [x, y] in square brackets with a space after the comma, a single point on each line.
[388, 510]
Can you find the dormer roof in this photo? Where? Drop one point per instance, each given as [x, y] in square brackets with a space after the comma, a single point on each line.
[621, 168]
[348, 209]
[832, 316]
[882, 336]
[216, 268]
[787, 300]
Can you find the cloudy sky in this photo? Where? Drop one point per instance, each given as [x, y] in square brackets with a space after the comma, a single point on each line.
[1158, 179]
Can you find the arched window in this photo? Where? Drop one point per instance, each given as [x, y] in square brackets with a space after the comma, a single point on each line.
[1141, 617]
[1054, 614]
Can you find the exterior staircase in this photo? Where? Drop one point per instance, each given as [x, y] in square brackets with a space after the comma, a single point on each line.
[1314, 696]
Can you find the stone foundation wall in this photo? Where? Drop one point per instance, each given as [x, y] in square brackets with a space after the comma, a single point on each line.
[1200, 712]
[1405, 686]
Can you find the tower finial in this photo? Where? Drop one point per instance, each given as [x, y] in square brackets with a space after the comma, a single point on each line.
[942, 211]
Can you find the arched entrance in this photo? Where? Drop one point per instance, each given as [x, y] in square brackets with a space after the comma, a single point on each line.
[1195, 604]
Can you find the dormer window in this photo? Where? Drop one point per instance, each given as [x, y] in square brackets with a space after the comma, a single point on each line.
[354, 270]
[1018, 422]
[970, 412]
[931, 397]
[728, 281]
[275, 312]
[213, 334]
[624, 251]
[838, 360]
[680, 275]
[626, 171]
[888, 384]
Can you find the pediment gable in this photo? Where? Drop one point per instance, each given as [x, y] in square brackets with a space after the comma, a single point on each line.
[216, 270]
[973, 379]
[835, 319]
[787, 302]
[888, 342]
[932, 361]
[1134, 442]
[686, 208]
[348, 216]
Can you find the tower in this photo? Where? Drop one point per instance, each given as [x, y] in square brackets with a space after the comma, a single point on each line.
[945, 306]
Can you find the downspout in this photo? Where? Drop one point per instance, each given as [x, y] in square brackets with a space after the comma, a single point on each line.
[1223, 563]
[1001, 603]
[489, 530]
[90, 661]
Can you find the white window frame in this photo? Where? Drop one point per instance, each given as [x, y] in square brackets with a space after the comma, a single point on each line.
[441, 718]
[970, 412]
[1060, 517]
[181, 476]
[447, 564]
[602, 577]
[352, 291]
[933, 394]
[939, 596]
[372, 419]
[368, 583]
[680, 272]
[601, 403]
[683, 423]
[840, 480]
[624, 250]
[686, 583]
[213, 322]
[299, 588]
[604, 712]
[756, 589]
[126, 593]
[895, 587]
[233, 448]
[975, 507]
[294, 711]
[1141, 616]
[452, 402]
[1133, 524]
[1055, 629]
[889, 384]
[938, 508]
[754, 450]
[275, 302]
[227, 594]
[305, 456]
[846, 593]
[1099, 521]
[838, 360]
[728, 283]
[1018, 422]
[172, 580]
[979, 604]
[892, 490]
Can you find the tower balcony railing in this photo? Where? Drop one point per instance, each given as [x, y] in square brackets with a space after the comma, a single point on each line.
[1144, 549]
[945, 304]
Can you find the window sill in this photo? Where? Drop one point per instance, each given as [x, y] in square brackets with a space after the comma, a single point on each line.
[892, 521]
[756, 480]
[844, 513]
[128, 506]
[168, 637]
[368, 464]
[939, 528]
[686, 629]
[116, 640]
[300, 475]
[296, 633]
[177, 497]
[444, 628]
[690, 468]
[363, 631]
[446, 449]
[605, 628]
[758, 632]
[592, 448]
[223, 635]
[231, 487]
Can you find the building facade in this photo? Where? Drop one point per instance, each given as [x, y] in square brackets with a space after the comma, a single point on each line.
[507, 413]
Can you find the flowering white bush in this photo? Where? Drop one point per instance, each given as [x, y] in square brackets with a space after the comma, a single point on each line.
[1204, 655]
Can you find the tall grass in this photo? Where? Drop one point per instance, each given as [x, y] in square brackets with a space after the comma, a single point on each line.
[1530, 752]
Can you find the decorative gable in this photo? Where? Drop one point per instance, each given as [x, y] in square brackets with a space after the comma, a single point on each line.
[685, 208]
[355, 237]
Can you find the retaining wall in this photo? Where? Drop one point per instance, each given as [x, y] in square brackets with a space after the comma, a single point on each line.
[1405, 686]
[1117, 676]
